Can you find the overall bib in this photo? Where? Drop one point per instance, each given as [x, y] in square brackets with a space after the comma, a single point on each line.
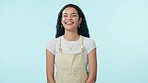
[71, 67]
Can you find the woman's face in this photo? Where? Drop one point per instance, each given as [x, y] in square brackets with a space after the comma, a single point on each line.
[70, 19]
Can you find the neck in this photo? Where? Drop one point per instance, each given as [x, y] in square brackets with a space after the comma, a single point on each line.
[71, 36]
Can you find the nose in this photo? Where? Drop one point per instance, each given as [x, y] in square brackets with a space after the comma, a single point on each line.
[69, 17]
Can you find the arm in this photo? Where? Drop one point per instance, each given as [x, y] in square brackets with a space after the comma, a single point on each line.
[50, 67]
[92, 67]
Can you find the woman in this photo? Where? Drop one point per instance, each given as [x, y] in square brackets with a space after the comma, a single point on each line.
[72, 51]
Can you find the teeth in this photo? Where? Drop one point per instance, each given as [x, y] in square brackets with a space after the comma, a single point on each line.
[69, 23]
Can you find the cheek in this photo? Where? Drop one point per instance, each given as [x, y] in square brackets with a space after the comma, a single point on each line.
[62, 21]
[76, 21]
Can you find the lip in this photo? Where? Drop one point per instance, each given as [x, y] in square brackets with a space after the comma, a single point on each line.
[69, 23]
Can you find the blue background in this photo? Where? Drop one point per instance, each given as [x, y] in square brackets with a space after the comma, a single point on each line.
[119, 28]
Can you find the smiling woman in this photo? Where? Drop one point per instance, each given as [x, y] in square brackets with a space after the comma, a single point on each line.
[70, 19]
[73, 52]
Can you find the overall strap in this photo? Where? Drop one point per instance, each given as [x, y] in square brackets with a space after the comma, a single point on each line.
[81, 42]
[59, 44]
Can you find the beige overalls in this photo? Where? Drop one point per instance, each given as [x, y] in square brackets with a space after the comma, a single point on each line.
[71, 67]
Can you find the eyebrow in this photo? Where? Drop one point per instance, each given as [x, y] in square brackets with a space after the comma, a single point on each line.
[71, 13]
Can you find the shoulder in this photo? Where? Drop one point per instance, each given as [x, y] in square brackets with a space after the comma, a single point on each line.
[88, 40]
[89, 44]
[52, 43]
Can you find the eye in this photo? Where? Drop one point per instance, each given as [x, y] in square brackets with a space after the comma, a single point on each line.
[74, 15]
[64, 15]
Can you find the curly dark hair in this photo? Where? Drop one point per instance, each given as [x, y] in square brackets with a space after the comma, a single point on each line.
[82, 30]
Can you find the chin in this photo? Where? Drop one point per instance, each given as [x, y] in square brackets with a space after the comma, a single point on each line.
[69, 27]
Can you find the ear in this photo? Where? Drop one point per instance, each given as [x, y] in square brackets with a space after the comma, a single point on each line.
[80, 20]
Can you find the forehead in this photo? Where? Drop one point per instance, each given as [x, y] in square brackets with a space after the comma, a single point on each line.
[70, 10]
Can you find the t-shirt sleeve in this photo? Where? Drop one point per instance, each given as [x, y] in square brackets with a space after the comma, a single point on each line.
[51, 46]
[91, 45]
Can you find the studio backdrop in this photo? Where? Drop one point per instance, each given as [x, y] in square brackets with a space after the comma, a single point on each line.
[119, 28]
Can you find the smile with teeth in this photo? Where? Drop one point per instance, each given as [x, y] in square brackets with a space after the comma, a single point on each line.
[69, 23]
